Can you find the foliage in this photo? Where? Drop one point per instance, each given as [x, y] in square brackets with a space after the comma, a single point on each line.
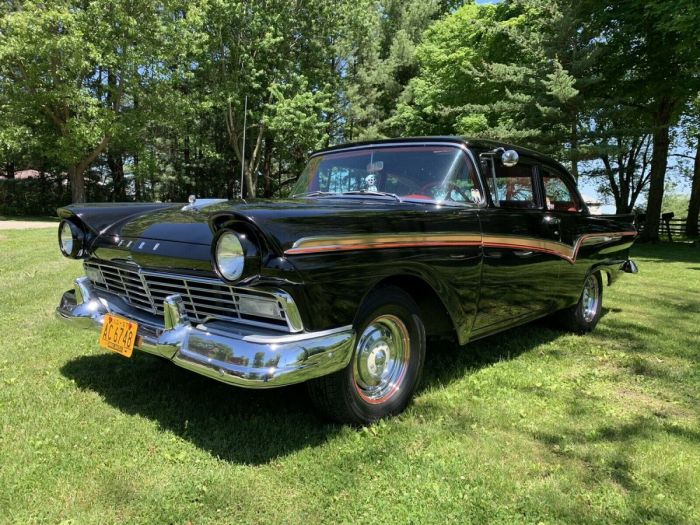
[650, 61]
[82, 74]
[691, 136]
[676, 203]
[485, 72]
[585, 81]
[152, 95]
[27, 197]
[530, 426]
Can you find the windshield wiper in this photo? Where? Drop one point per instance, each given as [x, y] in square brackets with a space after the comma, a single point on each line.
[373, 193]
[314, 193]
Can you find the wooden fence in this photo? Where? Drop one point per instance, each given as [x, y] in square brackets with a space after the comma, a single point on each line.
[672, 227]
[669, 227]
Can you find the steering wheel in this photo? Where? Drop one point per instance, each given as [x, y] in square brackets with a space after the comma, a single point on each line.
[401, 185]
[450, 186]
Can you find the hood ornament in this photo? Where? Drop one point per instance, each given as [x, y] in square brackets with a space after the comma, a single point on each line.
[197, 204]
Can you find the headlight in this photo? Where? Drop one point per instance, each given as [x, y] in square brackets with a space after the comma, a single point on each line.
[229, 256]
[70, 239]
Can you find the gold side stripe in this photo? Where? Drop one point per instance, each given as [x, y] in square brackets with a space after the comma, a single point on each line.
[311, 245]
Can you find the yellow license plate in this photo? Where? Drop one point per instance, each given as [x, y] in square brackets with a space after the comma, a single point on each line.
[118, 335]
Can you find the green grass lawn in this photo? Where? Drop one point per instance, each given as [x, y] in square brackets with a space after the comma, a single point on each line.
[532, 425]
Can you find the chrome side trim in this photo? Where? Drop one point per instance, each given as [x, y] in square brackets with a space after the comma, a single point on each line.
[228, 352]
[381, 241]
[311, 245]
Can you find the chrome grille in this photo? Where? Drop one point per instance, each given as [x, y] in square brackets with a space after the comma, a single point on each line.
[204, 298]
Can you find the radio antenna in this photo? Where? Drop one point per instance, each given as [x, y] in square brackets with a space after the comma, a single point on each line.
[245, 123]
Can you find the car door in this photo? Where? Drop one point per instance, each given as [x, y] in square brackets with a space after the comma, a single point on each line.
[564, 204]
[521, 256]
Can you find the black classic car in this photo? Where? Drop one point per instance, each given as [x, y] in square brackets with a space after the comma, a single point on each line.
[380, 245]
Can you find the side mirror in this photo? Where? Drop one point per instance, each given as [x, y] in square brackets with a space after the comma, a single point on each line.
[509, 158]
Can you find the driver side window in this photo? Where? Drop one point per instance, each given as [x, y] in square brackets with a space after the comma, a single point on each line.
[463, 184]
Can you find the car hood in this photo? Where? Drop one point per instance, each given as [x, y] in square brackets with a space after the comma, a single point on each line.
[281, 222]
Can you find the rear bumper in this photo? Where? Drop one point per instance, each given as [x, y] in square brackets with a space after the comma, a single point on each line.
[234, 354]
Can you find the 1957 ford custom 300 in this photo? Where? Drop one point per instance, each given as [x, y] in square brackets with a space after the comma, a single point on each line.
[380, 245]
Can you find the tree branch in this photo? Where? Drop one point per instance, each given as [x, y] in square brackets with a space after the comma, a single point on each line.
[85, 162]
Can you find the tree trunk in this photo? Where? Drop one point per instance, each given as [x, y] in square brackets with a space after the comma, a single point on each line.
[76, 173]
[116, 167]
[574, 147]
[659, 161]
[77, 184]
[267, 167]
[10, 170]
[138, 194]
[691, 225]
[250, 185]
[622, 208]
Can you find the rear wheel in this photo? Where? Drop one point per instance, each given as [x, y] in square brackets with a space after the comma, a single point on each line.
[386, 364]
[584, 315]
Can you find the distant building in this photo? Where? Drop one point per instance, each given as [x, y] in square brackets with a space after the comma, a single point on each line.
[25, 174]
[594, 205]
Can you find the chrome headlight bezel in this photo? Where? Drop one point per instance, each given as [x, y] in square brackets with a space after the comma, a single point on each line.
[229, 255]
[71, 239]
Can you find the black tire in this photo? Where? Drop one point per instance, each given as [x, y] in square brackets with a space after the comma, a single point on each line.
[583, 316]
[388, 323]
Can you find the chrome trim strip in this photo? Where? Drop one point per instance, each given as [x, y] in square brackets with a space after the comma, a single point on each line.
[312, 245]
[380, 241]
[237, 356]
[292, 338]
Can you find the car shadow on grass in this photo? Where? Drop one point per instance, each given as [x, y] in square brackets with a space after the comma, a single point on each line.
[447, 361]
[233, 424]
[257, 426]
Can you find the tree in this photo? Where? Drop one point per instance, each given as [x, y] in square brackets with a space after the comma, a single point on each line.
[648, 54]
[280, 56]
[624, 165]
[586, 81]
[486, 71]
[384, 61]
[691, 225]
[72, 72]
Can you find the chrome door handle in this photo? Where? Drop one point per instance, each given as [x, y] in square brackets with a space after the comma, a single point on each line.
[551, 220]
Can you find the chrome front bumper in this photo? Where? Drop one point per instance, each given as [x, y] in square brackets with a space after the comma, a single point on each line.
[232, 353]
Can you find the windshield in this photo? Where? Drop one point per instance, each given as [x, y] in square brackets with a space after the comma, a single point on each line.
[422, 173]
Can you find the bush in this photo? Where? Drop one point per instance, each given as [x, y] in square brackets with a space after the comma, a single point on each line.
[42, 195]
[39, 196]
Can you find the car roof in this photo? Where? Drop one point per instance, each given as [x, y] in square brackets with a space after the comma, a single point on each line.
[476, 143]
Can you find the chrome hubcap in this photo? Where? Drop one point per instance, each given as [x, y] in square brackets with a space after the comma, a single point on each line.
[590, 298]
[381, 359]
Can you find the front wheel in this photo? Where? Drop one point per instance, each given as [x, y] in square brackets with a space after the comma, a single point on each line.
[386, 364]
[584, 315]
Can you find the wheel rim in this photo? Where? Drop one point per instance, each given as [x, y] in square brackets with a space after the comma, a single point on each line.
[590, 298]
[381, 359]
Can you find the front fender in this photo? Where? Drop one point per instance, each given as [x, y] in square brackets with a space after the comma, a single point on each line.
[336, 284]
